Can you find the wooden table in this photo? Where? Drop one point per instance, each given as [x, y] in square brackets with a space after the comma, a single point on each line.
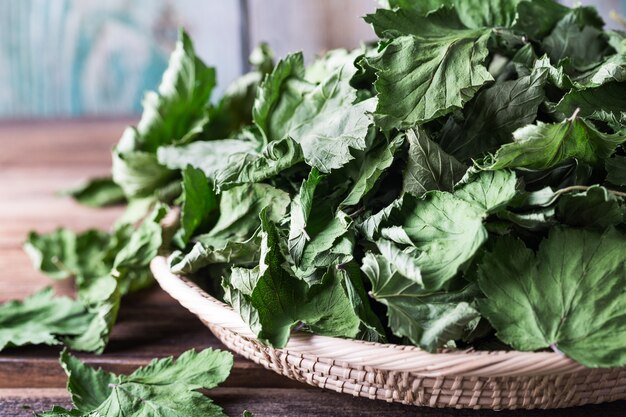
[37, 159]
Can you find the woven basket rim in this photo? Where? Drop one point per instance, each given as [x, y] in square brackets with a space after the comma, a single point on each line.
[369, 355]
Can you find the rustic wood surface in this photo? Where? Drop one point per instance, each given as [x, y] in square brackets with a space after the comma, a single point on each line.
[38, 159]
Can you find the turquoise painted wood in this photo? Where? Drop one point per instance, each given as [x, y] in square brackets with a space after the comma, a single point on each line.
[73, 58]
[90, 57]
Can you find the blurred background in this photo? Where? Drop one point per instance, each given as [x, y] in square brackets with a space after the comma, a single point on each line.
[88, 58]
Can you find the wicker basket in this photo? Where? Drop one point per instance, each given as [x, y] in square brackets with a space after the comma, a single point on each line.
[406, 374]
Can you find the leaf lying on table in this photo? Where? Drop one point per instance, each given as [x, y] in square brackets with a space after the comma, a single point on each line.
[164, 387]
[105, 267]
[42, 319]
[568, 296]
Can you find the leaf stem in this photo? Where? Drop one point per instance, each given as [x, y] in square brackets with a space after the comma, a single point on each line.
[555, 349]
[585, 188]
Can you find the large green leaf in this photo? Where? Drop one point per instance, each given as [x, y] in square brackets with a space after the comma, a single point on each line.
[428, 319]
[473, 13]
[429, 167]
[445, 229]
[41, 319]
[429, 67]
[537, 18]
[545, 145]
[568, 296]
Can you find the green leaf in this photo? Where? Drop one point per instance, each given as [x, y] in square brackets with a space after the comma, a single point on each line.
[179, 110]
[445, 229]
[239, 213]
[211, 157]
[473, 13]
[431, 65]
[594, 208]
[165, 387]
[63, 254]
[138, 173]
[271, 300]
[371, 328]
[606, 103]
[200, 204]
[102, 297]
[616, 170]
[490, 191]
[568, 296]
[612, 69]
[428, 319]
[368, 168]
[577, 37]
[301, 207]
[88, 387]
[202, 254]
[275, 157]
[317, 236]
[98, 192]
[545, 145]
[276, 87]
[324, 119]
[428, 166]
[490, 119]
[41, 319]
[537, 18]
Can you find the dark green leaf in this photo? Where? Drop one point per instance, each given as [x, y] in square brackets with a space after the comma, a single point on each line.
[429, 167]
[200, 203]
[490, 119]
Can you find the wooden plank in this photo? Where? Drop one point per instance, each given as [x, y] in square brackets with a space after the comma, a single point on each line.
[269, 402]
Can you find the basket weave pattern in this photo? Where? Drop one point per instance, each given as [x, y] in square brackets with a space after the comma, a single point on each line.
[406, 374]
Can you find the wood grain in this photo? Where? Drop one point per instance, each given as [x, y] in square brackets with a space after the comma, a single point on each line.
[41, 158]
[289, 402]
